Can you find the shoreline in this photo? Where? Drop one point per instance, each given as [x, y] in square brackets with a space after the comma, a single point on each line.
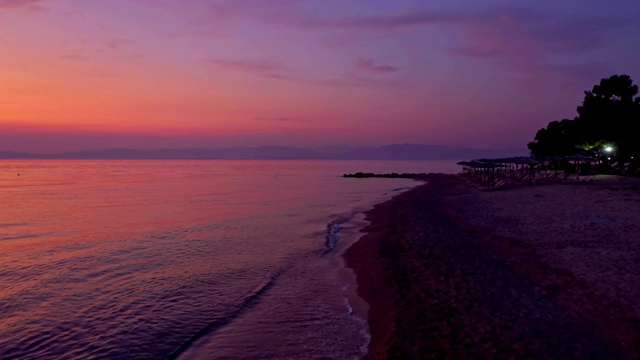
[451, 271]
[363, 258]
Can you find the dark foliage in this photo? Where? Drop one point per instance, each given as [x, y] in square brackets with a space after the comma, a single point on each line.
[609, 114]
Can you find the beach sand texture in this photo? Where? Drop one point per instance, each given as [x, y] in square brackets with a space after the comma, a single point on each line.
[549, 271]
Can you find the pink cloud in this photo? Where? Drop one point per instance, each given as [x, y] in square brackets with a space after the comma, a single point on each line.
[284, 120]
[21, 4]
[116, 44]
[370, 66]
[526, 44]
[280, 71]
[517, 39]
[510, 32]
[262, 68]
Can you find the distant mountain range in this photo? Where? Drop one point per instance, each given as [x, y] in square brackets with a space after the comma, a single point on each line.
[388, 152]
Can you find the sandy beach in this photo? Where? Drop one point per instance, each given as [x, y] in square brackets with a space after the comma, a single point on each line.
[548, 271]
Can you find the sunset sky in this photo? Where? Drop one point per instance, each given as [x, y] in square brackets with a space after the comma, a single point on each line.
[93, 74]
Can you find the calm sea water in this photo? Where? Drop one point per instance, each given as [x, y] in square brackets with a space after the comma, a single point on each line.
[184, 259]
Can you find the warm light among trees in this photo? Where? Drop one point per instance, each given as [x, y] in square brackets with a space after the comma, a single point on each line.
[606, 123]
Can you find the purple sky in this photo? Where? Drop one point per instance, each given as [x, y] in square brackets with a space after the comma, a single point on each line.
[90, 74]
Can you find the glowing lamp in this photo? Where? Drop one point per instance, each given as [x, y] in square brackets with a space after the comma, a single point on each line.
[608, 149]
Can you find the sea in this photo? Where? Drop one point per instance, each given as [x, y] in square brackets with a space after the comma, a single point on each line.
[217, 259]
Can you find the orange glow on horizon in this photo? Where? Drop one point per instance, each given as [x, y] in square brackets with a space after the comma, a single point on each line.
[351, 74]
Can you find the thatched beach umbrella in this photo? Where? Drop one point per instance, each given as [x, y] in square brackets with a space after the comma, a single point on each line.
[522, 161]
[481, 166]
[547, 160]
[579, 158]
[494, 163]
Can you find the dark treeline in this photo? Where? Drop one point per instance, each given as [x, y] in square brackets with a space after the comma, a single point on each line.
[607, 121]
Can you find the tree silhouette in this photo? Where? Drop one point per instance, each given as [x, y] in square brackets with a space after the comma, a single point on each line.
[557, 139]
[608, 116]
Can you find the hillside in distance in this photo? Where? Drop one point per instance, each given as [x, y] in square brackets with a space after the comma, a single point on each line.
[387, 152]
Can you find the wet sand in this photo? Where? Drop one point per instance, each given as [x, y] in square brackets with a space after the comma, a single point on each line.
[549, 271]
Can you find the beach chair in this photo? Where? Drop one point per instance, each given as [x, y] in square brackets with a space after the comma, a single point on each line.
[498, 185]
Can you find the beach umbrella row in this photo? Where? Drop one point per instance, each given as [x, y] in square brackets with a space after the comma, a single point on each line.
[525, 160]
[480, 164]
[531, 162]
